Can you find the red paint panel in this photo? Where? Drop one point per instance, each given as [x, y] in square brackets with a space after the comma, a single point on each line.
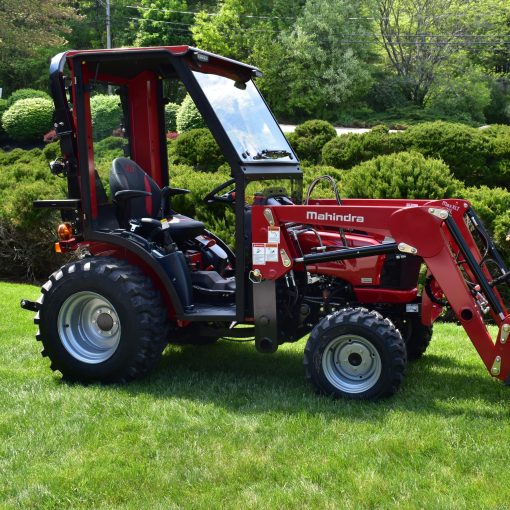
[145, 128]
[90, 145]
[365, 295]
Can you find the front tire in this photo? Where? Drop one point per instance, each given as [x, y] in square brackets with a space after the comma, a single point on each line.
[101, 319]
[357, 354]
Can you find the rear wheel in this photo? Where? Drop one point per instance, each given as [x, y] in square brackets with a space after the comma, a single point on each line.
[101, 319]
[355, 353]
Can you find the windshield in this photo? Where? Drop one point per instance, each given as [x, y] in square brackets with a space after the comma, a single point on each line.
[245, 117]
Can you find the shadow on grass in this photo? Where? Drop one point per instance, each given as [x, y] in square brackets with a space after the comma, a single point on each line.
[236, 377]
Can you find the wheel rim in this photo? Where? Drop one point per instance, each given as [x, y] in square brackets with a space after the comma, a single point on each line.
[89, 327]
[351, 363]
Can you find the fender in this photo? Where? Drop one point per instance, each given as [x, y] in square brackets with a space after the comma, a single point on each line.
[127, 249]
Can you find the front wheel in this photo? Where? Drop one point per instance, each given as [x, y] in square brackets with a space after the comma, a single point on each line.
[357, 354]
[101, 319]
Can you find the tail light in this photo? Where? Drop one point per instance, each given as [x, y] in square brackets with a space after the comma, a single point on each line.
[65, 232]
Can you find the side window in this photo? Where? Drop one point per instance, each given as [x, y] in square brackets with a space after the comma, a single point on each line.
[107, 130]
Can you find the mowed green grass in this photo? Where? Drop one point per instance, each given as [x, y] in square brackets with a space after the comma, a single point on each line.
[226, 427]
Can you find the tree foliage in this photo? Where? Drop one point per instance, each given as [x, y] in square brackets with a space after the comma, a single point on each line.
[315, 69]
[162, 23]
[27, 29]
[420, 36]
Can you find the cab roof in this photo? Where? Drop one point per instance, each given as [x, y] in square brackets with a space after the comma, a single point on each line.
[128, 62]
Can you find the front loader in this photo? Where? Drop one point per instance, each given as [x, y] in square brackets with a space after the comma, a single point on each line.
[344, 271]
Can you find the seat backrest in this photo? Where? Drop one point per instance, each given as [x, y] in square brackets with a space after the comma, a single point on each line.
[127, 175]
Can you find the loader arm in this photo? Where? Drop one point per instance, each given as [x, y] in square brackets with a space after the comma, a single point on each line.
[441, 232]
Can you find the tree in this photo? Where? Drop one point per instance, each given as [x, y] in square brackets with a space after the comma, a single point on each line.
[420, 36]
[90, 30]
[163, 23]
[28, 28]
[237, 26]
[316, 68]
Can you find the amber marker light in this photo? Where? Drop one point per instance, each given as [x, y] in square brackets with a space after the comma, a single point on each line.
[64, 232]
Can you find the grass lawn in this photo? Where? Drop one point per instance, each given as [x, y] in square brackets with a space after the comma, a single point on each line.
[225, 427]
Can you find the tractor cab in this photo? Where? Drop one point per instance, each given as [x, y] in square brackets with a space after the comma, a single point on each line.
[201, 276]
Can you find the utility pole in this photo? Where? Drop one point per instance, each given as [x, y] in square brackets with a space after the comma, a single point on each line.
[108, 32]
[108, 35]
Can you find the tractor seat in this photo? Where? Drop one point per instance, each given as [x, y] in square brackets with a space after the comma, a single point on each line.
[126, 175]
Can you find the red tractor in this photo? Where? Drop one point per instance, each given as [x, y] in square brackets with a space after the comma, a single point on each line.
[345, 270]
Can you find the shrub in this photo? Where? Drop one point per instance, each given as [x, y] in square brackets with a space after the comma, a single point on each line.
[493, 207]
[106, 115]
[171, 110]
[27, 234]
[463, 97]
[309, 138]
[464, 149]
[348, 150]
[385, 94]
[26, 94]
[219, 218]
[27, 120]
[402, 175]
[4, 105]
[188, 117]
[498, 137]
[110, 143]
[52, 151]
[498, 110]
[198, 149]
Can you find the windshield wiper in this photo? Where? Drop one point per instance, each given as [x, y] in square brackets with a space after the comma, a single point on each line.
[272, 154]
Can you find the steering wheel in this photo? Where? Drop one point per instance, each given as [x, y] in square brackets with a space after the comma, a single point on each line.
[226, 198]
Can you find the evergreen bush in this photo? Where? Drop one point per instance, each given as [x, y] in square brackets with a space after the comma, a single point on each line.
[401, 175]
[4, 105]
[464, 149]
[351, 149]
[171, 110]
[26, 94]
[198, 149]
[309, 138]
[188, 117]
[27, 120]
[106, 115]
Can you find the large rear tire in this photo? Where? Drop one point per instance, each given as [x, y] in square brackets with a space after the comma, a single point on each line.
[101, 319]
[357, 354]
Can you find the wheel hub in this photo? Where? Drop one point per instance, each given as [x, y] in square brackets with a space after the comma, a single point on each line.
[105, 322]
[89, 327]
[351, 363]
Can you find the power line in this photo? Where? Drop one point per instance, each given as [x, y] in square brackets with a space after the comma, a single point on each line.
[175, 11]
[363, 38]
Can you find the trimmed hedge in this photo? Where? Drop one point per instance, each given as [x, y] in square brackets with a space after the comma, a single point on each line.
[464, 149]
[352, 149]
[402, 175]
[27, 120]
[4, 105]
[106, 115]
[27, 235]
[188, 116]
[309, 138]
[27, 94]
[198, 149]
[475, 156]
